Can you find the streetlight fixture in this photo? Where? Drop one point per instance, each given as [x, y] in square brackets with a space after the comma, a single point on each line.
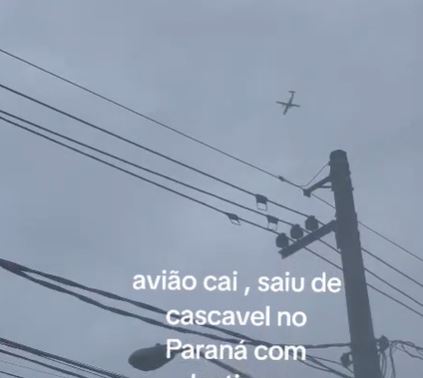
[147, 359]
[153, 358]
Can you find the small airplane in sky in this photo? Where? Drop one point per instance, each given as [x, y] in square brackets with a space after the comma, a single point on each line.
[288, 104]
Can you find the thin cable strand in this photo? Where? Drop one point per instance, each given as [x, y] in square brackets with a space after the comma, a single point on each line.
[142, 115]
[392, 267]
[11, 374]
[31, 369]
[122, 160]
[368, 284]
[142, 178]
[378, 277]
[190, 137]
[140, 146]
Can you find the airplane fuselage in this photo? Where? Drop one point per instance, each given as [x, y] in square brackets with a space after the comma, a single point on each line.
[288, 104]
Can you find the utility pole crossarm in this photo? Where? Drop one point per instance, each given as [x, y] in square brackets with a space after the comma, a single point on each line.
[308, 239]
[320, 184]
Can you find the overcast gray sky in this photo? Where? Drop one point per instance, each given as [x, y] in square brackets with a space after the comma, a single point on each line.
[213, 69]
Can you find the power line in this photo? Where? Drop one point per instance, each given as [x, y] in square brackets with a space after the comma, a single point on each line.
[142, 115]
[250, 341]
[191, 198]
[392, 267]
[20, 271]
[16, 269]
[378, 277]
[109, 308]
[10, 374]
[55, 368]
[190, 137]
[183, 195]
[31, 369]
[203, 191]
[370, 285]
[150, 150]
[26, 273]
[233, 217]
[150, 119]
[61, 360]
[381, 260]
[406, 250]
[378, 259]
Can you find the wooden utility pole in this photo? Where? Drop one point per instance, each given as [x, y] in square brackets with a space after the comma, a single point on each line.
[363, 343]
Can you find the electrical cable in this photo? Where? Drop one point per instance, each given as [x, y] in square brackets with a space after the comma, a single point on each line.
[392, 267]
[254, 166]
[15, 268]
[55, 368]
[153, 120]
[406, 250]
[150, 150]
[86, 368]
[26, 273]
[378, 277]
[31, 369]
[203, 191]
[232, 217]
[142, 115]
[11, 374]
[368, 284]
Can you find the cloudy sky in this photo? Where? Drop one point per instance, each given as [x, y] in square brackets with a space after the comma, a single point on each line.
[212, 69]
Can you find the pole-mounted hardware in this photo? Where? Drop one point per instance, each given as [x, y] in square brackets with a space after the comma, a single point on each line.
[322, 184]
[287, 250]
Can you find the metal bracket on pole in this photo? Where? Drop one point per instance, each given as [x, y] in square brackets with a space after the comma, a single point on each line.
[309, 238]
[318, 185]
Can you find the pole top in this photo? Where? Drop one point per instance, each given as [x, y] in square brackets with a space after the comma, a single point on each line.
[338, 155]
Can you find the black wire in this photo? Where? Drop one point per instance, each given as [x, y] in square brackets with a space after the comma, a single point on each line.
[392, 267]
[32, 369]
[24, 272]
[122, 106]
[142, 178]
[116, 310]
[122, 160]
[61, 360]
[51, 367]
[150, 150]
[378, 277]
[368, 284]
[391, 241]
[368, 228]
[11, 374]
[148, 118]
[18, 270]
[365, 250]
[74, 294]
